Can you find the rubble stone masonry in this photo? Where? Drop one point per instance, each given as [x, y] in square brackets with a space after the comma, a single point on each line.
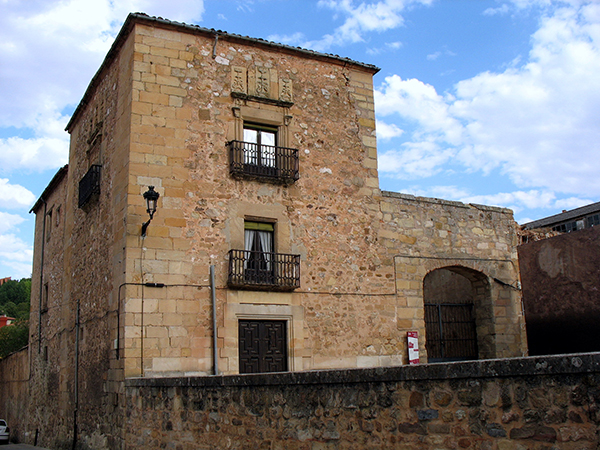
[537, 403]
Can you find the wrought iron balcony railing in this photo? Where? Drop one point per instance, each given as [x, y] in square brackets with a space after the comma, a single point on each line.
[263, 271]
[89, 184]
[277, 164]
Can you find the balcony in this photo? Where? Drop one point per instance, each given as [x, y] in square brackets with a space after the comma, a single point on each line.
[89, 185]
[264, 162]
[263, 271]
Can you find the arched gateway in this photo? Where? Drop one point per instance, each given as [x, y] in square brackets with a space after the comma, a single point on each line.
[458, 314]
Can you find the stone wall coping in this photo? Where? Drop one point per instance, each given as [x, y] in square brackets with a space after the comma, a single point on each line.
[440, 201]
[491, 368]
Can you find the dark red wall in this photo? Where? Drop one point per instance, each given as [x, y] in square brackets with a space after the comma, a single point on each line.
[561, 292]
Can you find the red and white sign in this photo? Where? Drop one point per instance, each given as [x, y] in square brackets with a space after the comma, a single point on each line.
[413, 347]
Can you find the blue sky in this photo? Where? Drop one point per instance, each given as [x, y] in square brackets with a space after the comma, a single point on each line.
[481, 101]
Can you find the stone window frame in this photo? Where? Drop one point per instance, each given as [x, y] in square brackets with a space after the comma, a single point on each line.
[57, 219]
[263, 157]
[49, 224]
[272, 118]
[293, 315]
[242, 212]
[261, 220]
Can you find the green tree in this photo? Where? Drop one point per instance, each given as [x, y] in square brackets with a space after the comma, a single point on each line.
[13, 337]
[10, 309]
[15, 297]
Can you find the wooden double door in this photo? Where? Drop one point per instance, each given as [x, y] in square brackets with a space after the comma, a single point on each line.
[263, 346]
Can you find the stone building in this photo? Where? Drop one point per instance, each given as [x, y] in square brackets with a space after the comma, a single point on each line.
[265, 160]
[560, 269]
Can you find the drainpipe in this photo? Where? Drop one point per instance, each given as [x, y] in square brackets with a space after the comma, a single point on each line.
[214, 52]
[76, 377]
[214, 318]
[41, 277]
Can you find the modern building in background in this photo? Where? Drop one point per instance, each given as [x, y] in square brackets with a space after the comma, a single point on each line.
[271, 248]
[576, 219]
[5, 320]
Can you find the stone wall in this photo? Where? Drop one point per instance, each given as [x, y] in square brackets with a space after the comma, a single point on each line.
[560, 292]
[14, 393]
[421, 235]
[513, 404]
[50, 346]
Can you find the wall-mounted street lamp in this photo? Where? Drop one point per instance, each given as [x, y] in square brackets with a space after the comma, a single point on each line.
[151, 197]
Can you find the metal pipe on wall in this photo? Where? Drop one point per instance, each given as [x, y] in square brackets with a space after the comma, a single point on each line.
[76, 381]
[214, 318]
[41, 293]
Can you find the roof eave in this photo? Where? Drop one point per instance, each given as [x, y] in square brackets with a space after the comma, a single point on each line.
[58, 177]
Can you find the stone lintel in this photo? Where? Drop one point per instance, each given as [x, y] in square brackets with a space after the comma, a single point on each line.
[268, 101]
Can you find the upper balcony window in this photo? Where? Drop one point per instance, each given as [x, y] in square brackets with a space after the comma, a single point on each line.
[259, 156]
[262, 143]
[89, 185]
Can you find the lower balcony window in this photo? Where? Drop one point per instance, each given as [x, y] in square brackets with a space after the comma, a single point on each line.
[261, 270]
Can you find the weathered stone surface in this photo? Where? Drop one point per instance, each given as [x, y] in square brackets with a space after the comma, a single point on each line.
[470, 397]
[428, 414]
[417, 400]
[495, 430]
[360, 419]
[442, 398]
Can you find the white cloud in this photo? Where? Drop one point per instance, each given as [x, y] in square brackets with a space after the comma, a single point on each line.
[15, 254]
[15, 257]
[13, 196]
[289, 39]
[386, 131]
[415, 160]
[527, 200]
[499, 10]
[420, 103]
[515, 200]
[361, 18]
[9, 221]
[48, 149]
[537, 123]
[387, 47]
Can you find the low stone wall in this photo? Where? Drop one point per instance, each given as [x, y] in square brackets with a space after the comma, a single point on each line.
[512, 404]
[14, 392]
